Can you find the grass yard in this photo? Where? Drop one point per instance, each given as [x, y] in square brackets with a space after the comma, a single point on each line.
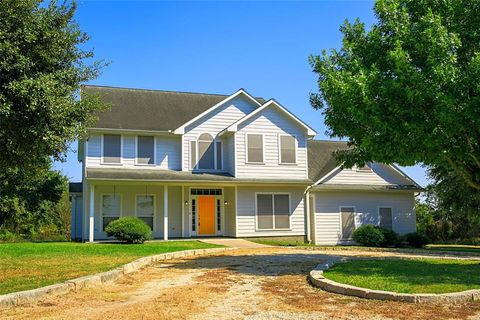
[29, 265]
[454, 247]
[409, 275]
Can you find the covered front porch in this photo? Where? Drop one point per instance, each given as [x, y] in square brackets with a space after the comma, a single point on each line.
[172, 210]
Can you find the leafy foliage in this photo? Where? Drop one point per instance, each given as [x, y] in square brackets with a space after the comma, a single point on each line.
[42, 67]
[451, 210]
[129, 229]
[368, 235]
[406, 91]
[390, 237]
[416, 239]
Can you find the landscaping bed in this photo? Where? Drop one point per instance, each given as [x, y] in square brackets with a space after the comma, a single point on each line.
[29, 265]
[408, 275]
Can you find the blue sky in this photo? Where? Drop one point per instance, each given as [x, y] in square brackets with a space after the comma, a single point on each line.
[218, 47]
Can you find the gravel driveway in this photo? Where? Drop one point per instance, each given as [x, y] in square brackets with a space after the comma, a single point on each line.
[263, 283]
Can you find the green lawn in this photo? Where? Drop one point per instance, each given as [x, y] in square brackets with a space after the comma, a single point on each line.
[409, 276]
[29, 265]
[454, 247]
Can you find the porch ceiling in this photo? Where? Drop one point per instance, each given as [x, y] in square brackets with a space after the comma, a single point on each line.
[124, 174]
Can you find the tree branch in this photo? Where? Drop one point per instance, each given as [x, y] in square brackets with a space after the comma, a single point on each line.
[466, 176]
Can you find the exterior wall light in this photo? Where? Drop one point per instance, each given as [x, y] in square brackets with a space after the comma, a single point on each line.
[225, 203]
[186, 202]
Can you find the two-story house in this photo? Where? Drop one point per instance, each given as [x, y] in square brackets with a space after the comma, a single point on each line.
[191, 164]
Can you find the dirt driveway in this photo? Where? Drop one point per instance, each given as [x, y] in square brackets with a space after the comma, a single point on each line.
[266, 283]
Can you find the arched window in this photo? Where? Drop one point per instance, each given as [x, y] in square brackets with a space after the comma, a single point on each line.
[206, 152]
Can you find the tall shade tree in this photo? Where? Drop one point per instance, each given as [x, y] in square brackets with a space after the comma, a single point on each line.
[42, 64]
[408, 89]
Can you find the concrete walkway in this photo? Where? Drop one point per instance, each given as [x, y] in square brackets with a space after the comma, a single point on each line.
[234, 243]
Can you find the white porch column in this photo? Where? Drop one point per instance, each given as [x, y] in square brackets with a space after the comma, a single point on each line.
[92, 214]
[165, 213]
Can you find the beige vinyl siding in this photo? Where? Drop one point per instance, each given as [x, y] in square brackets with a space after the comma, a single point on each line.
[167, 152]
[229, 212]
[128, 195]
[215, 122]
[327, 211]
[271, 123]
[379, 175]
[246, 219]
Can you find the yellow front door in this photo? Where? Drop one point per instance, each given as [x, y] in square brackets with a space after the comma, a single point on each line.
[206, 215]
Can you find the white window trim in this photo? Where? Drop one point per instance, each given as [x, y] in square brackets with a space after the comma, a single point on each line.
[280, 161]
[222, 209]
[102, 159]
[196, 167]
[273, 212]
[154, 152]
[341, 222]
[154, 208]
[101, 208]
[246, 148]
[384, 207]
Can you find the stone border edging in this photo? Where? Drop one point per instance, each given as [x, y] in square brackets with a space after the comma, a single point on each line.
[98, 279]
[317, 279]
[425, 252]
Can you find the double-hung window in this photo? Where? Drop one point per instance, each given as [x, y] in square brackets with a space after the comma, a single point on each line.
[111, 207]
[288, 147]
[112, 148]
[145, 150]
[145, 208]
[273, 211]
[254, 148]
[385, 216]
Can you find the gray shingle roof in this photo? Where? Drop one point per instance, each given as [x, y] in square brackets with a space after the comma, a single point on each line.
[153, 110]
[320, 157]
[175, 176]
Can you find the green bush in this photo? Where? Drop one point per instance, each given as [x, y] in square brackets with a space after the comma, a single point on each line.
[416, 239]
[129, 230]
[390, 237]
[368, 235]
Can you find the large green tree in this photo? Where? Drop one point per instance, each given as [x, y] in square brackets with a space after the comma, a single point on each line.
[407, 90]
[43, 62]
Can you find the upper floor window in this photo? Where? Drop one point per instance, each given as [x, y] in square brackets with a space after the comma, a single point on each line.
[112, 148]
[206, 153]
[288, 149]
[255, 148]
[145, 150]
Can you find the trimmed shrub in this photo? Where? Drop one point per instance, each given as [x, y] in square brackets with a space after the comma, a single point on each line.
[368, 235]
[391, 238]
[129, 230]
[416, 239]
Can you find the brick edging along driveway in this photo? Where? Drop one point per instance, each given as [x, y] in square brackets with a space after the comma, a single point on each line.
[30, 296]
